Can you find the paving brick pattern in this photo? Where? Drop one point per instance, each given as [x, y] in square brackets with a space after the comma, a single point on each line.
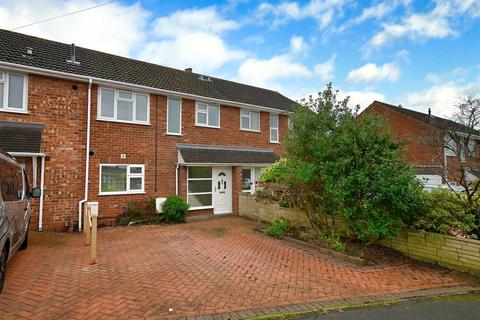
[220, 266]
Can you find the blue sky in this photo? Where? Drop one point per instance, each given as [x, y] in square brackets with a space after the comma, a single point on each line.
[416, 53]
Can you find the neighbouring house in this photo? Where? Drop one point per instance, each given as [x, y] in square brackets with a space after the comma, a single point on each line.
[429, 148]
[91, 126]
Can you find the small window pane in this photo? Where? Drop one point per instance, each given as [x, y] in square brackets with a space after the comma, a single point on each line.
[136, 183]
[15, 91]
[198, 186]
[141, 107]
[246, 180]
[200, 200]
[202, 106]
[124, 110]
[201, 118]
[114, 178]
[213, 116]
[1, 94]
[125, 95]
[136, 170]
[245, 113]
[245, 123]
[106, 103]
[200, 172]
[255, 120]
[273, 121]
[274, 135]
[174, 116]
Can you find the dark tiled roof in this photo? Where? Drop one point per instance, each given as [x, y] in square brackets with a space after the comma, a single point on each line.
[20, 137]
[192, 154]
[52, 55]
[438, 122]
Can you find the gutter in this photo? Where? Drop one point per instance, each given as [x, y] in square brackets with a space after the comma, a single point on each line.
[87, 155]
[59, 74]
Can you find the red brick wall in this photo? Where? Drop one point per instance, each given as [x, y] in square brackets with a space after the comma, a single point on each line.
[416, 135]
[62, 110]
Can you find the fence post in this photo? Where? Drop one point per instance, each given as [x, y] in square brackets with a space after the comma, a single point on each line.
[94, 237]
[86, 223]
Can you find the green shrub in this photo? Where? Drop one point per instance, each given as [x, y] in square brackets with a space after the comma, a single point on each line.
[174, 209]
[334, 240]
[134, 210]
[307, 235]
[278, 228]
[444, 212]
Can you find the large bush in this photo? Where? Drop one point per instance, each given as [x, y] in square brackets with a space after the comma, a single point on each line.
[174, 209]
[445, 212]
[339, 165]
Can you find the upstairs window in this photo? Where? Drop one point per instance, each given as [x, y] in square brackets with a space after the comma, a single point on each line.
[13, 92]
[274, 128]
[207, 115]
[174, 116]
[250, 120]
[123, 106]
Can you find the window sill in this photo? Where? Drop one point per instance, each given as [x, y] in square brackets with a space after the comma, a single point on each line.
[248, 130]
[275, 142]
[173, 134]
[126, 122]
[200, 208]
[204, 126]
[13, 111]
[121, 193]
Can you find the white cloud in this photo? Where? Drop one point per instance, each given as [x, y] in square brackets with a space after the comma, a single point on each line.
[268, 72]
[433, 78]
[443, 98]
[117, 28]
[436, 23]
[322, 11]
[363, 98]
[380, 10]
[192, 38]
[206, 20]
[370, 72]
[298, 45]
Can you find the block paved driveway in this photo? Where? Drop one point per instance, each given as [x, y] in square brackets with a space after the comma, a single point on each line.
[197, 268]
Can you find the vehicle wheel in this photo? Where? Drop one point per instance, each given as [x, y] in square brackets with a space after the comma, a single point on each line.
[3, 267]
[25, 242]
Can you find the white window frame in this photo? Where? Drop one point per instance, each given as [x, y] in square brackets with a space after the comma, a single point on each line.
[115, 106]
[255, 173]
[206, 113]
[181, 108]
[249, 116]
[4, 78]
[129, 175]
[277, 140]
[199, 193]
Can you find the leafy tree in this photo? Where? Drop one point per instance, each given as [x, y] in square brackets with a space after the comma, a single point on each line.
[343, 166]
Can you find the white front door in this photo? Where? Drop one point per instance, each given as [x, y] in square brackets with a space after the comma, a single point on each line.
[222, 189]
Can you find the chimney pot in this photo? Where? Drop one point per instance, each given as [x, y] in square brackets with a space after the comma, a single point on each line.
[189, 70]
[429, 112]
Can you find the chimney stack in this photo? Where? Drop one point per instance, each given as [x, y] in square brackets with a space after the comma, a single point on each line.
[189, 70]
[429, 112]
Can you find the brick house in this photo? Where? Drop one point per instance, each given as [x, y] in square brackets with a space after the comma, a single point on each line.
[428, 146]
[99, 127]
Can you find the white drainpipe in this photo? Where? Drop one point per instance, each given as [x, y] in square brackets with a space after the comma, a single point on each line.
[176, 180]
[40, 210]
[87, 155]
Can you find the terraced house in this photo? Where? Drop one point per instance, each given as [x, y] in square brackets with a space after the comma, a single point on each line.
[92, 126]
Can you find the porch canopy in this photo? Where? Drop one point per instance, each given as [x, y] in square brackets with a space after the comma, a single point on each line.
[197, 154]
[19, 137]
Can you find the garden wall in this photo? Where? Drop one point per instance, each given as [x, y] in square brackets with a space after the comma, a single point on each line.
[444, 250]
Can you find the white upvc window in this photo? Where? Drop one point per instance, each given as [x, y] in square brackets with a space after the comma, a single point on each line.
[250, 178]
[250, 120]
[123, 106]
[274, 128]
[450, 146]
[122, 179]
[174, 116]
[199, 187]
[13, 92]
[207, 115]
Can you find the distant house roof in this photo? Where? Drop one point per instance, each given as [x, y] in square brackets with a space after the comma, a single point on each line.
[20, 137]
[53, 56]
[207, 154]
[438, 122]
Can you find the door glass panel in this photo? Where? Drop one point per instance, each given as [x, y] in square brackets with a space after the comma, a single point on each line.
[198, 186]
[199, 172]
[200, 200]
